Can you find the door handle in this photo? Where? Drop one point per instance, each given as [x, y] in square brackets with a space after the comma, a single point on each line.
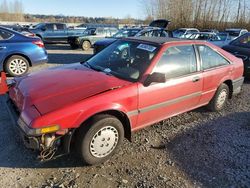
[2, 47]
[196, 79]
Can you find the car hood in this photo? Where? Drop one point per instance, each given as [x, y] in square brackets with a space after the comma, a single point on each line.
[55, 88]
[105, 42]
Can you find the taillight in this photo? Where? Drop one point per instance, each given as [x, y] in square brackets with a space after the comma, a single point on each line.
[31, 35]
[39, 43]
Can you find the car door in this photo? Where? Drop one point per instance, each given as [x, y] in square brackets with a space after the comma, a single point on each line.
[181, 91]
[60, 32]
[4, 44]
[215, 68]
[49, 32]
[100, 33]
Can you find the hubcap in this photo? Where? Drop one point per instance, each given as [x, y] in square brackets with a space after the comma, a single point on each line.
[104, 142]
[222, 98]
[86, 45]
[18, 66]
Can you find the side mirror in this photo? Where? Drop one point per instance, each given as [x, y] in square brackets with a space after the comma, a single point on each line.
[43, 29]
[155, 77]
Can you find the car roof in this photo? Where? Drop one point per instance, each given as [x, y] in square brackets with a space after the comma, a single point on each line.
[156, 40]
[234, 29]
[187, 29]
[9, 30]
[210, 33]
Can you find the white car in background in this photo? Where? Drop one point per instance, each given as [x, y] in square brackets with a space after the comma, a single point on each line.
[184, 32]
[218, 39]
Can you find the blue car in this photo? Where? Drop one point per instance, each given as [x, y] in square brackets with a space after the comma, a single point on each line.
[19, 52]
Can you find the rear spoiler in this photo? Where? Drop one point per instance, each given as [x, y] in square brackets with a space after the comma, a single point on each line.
[3, 84]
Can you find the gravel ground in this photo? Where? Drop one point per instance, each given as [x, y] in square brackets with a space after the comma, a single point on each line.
[195, 149]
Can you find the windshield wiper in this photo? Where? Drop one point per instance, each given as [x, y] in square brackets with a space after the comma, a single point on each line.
[87, 64]
[97, 68]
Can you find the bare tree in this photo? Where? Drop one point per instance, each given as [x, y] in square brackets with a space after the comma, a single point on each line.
[199, 13]
[11, 11]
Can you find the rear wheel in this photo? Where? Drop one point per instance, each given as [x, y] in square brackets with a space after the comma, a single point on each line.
[99, 138]
[86, 45]
[17, 65]
[220, 98]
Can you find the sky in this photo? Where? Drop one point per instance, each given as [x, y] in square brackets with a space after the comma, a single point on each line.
[88, 8]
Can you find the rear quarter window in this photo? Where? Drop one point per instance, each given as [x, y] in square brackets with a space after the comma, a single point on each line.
[5, 35]
[210, 58]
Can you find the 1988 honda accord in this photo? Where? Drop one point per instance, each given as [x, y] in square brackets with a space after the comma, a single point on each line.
[131, 84]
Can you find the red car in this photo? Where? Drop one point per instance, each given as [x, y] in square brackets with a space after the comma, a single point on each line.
[131, 84]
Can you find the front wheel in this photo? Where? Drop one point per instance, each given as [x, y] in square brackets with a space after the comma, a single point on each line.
[86, 45]
[220, 98]
[17, 65]
[98, 139]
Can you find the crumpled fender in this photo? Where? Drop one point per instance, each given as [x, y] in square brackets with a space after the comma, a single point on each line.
[3, 84]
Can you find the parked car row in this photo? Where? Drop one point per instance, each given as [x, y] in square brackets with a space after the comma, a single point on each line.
[100, 36]
[104, 37]
[156, 28]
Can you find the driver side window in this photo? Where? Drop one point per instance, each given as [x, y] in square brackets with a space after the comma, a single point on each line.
[177, 61]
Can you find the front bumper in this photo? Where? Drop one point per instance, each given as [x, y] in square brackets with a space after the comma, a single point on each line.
[26, 133]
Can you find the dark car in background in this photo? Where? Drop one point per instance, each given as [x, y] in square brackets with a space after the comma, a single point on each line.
[240, 47]
[122, 33]
[156, 28]
[18, 52]
[55, 32]
[90, 36]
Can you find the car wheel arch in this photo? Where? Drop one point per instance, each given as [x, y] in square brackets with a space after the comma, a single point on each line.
[119, 115]
[85, 39]
[19, 54]
[229, 83]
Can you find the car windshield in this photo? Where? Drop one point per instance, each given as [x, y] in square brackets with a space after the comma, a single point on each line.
[204, 36]
[37, 26]
[124, 59]
[126, 33]
[178, 32]
[223, 36]
[243, 40]
[89, 31]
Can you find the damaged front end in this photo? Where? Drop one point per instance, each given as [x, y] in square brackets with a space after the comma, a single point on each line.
[50, 141]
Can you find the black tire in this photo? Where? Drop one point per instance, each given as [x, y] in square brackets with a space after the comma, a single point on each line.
[15, 60]
[86, 45]
[89, 134]
[220, 98]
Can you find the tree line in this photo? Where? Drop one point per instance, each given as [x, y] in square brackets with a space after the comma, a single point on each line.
[201, 14]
